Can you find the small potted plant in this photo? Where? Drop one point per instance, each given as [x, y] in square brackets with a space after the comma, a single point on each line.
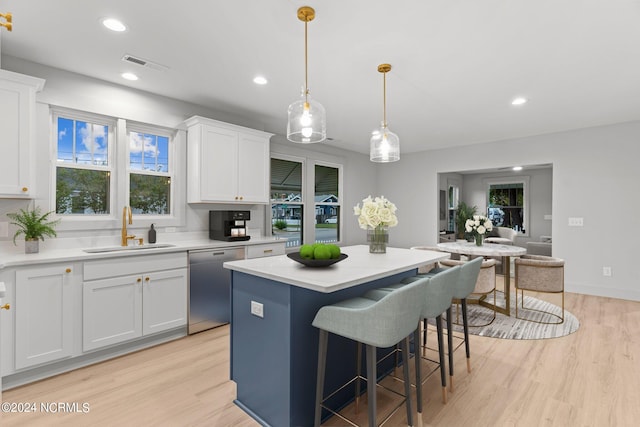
[463, 213]
[34, 225]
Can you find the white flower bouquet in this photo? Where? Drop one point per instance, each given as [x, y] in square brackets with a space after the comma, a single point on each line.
[378, 212]
[478, 225]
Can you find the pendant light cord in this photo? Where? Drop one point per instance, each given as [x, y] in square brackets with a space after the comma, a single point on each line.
[384, 99]
[306, 83]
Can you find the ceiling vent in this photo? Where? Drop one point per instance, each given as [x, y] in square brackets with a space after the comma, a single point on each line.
[144, 63]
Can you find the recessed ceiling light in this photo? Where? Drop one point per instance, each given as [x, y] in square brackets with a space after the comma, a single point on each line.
[517, 168]
[114, 25]
[259, 80]
[519, 101]
[129, 76]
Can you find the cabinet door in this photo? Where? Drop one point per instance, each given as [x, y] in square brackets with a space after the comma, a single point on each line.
[218, 165]
[44, 313]
[253, 169]
[111, 311]
[17, 106]
[164, 301]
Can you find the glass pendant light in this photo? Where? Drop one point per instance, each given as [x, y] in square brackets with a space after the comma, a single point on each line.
[307, 119]
[384, 144]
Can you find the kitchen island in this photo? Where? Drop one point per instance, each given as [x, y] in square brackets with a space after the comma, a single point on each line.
[273, 344]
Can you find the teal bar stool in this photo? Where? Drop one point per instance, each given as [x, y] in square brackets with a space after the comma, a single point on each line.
[437, 300]
[377, 324]
[461, 289]
[469, 271]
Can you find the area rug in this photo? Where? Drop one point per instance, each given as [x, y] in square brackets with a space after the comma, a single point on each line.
[508, 327]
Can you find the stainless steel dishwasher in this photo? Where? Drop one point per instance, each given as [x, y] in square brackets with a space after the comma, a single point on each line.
[210, 287]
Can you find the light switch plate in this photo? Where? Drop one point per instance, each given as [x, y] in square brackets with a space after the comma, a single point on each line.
[257, 309]
[576, 222]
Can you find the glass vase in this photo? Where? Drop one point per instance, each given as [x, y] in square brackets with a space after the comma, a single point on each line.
[378, 238]
[479, 239]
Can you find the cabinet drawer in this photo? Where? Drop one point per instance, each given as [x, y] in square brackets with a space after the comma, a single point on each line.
[271, 249]
[137, 264]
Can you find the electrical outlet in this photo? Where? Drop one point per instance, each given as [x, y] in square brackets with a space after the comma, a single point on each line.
[576, 222]
[606, 271]
[4, 229]
[257, 309]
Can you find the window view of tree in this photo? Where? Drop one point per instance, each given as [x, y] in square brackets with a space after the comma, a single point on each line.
[149, 177]
[506, 203]
[83, 175]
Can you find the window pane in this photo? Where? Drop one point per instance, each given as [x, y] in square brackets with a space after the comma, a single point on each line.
[82, 191]
[91, 144]
[326, 181]
[149, 194]
[65, 140]
[287, 222]
[148, 152]
[287, 212]
[162, 163]
[82, 143]
[506, 203]
[327, 210]
[327, 223]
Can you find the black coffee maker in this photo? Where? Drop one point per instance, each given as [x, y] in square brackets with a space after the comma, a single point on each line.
[230, 226]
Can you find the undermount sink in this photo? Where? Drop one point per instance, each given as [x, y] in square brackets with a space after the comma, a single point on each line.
[128, 248]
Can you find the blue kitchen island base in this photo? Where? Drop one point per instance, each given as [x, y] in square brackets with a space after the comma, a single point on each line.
[274, 358]
[274, 347]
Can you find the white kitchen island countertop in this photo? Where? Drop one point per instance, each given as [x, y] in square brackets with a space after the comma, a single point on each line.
[360, 267]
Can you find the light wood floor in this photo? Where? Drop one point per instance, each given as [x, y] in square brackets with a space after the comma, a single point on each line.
[589, 378]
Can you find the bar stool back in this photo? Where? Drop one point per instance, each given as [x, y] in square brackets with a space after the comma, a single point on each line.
[382, 323]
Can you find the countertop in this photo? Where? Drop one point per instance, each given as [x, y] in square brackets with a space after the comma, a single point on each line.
[78, 254]
[360, 267]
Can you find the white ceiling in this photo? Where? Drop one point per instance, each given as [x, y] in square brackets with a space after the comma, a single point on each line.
[456, 64]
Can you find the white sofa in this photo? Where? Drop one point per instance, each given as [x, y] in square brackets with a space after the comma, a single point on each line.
[502, 235]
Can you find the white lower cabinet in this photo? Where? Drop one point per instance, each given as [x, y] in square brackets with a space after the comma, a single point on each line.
[44, 313]
[111, 311]
[119, 309]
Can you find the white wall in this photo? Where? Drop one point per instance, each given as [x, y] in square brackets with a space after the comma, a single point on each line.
[69, 90]
[595, 177]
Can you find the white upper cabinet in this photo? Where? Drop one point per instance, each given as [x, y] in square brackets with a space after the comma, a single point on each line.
[17, 117]
[226, 163]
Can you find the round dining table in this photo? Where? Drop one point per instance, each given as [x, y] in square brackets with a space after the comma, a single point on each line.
[489, 250]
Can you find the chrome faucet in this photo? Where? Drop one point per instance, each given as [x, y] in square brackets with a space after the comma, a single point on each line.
[126, 217]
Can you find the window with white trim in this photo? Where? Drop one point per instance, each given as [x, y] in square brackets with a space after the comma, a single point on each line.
[150, 171]
[84, 178]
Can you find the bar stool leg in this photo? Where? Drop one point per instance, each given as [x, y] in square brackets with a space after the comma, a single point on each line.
[358, 369]
[465, 326]
[404, 345]
[371, 384]
[443, 376]
[450, 344]
[322, 360]
[424, 336]
[416, 340]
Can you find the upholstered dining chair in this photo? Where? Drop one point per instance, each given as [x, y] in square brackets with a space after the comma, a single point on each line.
[484, 285]
[377, 324]
[539, 273]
